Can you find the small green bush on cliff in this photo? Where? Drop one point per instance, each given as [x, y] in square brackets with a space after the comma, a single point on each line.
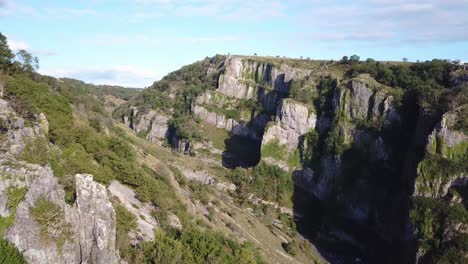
[15, 196]
[52, 225]
[126, 222]
[9, 254]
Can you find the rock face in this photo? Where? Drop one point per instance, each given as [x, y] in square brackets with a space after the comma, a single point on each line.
[85, 234]
[142, 211]
[244, 77]
[293, 120]
[152, 123]
[359, 102]
[452, 145]
[16, 132]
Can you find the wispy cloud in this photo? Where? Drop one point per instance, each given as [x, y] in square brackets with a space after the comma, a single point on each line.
[220, 9]
[390, 20]
[12, 8]
[116, 75]
[16, 45]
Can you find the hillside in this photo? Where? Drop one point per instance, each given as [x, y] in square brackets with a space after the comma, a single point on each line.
[237, 159]
[357, 143]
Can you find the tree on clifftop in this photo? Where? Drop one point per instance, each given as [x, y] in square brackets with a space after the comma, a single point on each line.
[5, 53]
[27, 61]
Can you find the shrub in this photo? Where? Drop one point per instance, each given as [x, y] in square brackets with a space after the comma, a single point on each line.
[52, 225]
[30, 98]
[35, 151]
[126, 222]
[10, 254]
[291, 248]
[15, 196]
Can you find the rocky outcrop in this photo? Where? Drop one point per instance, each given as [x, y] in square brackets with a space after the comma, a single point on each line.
[293, 120]
[152, 124]
[15, 131]
[81, 233]
[143, 212]
[252, 129]
[244, 77]
[181, 144]
[433, 177]
[362, 100]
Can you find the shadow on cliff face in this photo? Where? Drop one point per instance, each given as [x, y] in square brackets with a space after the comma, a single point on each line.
[385, 234]
[241, 152]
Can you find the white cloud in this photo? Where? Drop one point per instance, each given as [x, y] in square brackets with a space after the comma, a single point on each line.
[220, 9]
[17, 45]
[388, 20]
[126, 76]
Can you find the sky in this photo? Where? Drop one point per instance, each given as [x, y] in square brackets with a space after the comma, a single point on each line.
[136, 42]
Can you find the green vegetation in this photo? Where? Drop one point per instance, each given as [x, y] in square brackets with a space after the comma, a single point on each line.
[29, 98]
[291, 248]
[267, 182]
[280, 152]
[436, 168]
[35, 151]
[429, 79]
[126, 222]
[309, 147]
[6, 56]
[52, 225]
[15, 196]
[432, 218]
[10, 254]
[301, 91]
[197, 246]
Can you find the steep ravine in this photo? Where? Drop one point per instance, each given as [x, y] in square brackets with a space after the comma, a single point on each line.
[359, 151]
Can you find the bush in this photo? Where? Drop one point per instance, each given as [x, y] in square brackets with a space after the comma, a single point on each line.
[126, 222]
[35, 151]
[52, 225]
[30, 98]
[10, 254]
[291, 248]
[15, 196]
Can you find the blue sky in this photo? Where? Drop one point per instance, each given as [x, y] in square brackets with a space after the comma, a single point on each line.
[135, 42]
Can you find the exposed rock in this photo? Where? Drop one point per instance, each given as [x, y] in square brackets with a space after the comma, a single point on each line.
[143, 212]
[44, 123]
[445, 135]
[87, 229]
[153, 123]
[293, 120]
[452, 145]
[253, 129]
[359, 102]
[244, 77]
[207, 179]
[16, 130]
[180, 144]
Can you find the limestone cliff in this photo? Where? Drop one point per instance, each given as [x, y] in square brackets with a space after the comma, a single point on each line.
[82, 233]
[446, 148]
[245, 77]
[41, 224]
[293, 121]
[151, 124]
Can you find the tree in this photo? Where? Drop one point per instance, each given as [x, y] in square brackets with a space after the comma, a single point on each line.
[354, 58]
[344, 59]
[5, 53]
[27, 61]
[405, 59]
